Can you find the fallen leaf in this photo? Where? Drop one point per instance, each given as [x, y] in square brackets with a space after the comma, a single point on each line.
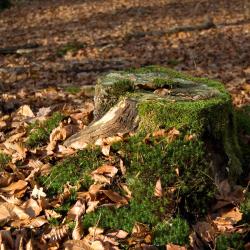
[56, 233]
[92, 205]
[175, 247]
[14, 187]
[104, 174]
[77, 210]
[25, 110]
[77, 245]
[94, 231]
[120, 234]
[206, 232]
[115, 197]
[158, 189]
[172, 134]
[31, 207]
[77, 233]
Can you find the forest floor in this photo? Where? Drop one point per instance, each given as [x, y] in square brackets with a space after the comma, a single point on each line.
[51, 53]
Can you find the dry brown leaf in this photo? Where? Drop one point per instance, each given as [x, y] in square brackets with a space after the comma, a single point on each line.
[5, 179]
[77, 245]
[94, 231]
[158, 189]
[56, 233]
[126, 189]
[104, 174]
[140, 229]
[115, 197]
[92, 205]
[206, 232]
[77, 233]
[162, 92]
[175, 247]
[14, 187]
[172, 134]
[51, 214]
[227, 219]
[29, 223]
[30, 245]
[6, 239]
[105, 150]
[11, 199]
[44, 111]
[16, 137]
[10, 211]
[25, 110]
[77, 210]
[19, 150]
[122, 167]
[37, 222]
[120, 234]
[159, 133]
[97, 245]
[31, 207]
[95, 188]
[190, 137]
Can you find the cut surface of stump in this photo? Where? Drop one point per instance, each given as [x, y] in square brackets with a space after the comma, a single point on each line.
[147, 99]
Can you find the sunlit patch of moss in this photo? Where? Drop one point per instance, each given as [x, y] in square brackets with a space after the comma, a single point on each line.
[69, 47]
[73, 89]
[173, 231]
[4, 160]
[147, 162]
[231, 241]
[73, 170]
[39, 131]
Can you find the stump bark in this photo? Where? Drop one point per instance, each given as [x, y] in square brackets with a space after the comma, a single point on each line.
[152, 98]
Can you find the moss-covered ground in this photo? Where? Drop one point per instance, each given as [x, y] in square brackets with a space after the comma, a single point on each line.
[39, 131]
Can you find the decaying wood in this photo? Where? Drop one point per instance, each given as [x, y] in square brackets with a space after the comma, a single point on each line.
[122, 118]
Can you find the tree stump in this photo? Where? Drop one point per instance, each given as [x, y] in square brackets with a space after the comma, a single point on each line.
[153, 98]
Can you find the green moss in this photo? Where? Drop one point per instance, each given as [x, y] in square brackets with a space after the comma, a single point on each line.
[69, 47]
[39, 131]
[54, 222]
[4, 159]
[74, 170]
[73, 89]
[232, 241]
[173, 231]
[161, 82]
[147, 162]
[245, 208]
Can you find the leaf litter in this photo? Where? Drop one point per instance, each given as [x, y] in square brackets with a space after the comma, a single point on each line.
[28, 216]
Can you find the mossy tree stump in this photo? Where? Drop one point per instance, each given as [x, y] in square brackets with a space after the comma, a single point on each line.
[189, 166]
[147, 99]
